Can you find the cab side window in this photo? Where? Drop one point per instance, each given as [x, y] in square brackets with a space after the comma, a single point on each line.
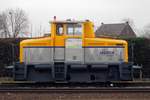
[78, 29]
[70, 29]
[59, 29]
[74, 29]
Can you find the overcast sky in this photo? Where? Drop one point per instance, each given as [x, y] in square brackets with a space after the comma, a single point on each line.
[40, 12]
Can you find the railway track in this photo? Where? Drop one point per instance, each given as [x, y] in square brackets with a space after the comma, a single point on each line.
[76, 89]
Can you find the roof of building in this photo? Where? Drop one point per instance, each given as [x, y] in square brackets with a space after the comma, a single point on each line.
[114, 29]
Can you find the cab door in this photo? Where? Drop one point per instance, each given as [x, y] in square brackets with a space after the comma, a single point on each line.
[74, 53]
[59, 44]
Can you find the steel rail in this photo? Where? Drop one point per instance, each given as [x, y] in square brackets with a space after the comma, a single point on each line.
[76, 89]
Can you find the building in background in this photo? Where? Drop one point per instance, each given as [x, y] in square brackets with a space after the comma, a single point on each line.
[116, 30]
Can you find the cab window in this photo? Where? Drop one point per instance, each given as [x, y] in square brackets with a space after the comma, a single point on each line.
[74, 29]
[70, 29]
[59, 29]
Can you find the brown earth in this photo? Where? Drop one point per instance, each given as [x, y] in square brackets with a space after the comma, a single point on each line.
[74, 96]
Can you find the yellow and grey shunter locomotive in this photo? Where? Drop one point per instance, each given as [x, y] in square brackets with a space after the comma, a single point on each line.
[73, 54]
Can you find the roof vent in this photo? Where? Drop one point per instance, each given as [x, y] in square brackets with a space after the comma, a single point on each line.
[68, 20]
[54, 18]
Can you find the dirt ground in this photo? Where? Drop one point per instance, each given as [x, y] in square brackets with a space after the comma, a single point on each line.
[74, 96]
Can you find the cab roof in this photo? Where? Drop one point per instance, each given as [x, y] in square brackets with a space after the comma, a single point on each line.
[67, 21]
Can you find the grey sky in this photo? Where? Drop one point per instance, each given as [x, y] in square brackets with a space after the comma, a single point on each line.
[40, 12]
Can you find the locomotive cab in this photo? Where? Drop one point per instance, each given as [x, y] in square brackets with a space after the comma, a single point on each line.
[73, 54]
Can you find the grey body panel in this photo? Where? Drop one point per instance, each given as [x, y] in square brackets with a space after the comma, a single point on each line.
[74, 53]
[41, 55]
[101, 55]
[59, 54]
[38, 55]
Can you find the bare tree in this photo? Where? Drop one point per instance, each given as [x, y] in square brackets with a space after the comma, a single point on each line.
[4, 25]
[14, 22]
[146, 31]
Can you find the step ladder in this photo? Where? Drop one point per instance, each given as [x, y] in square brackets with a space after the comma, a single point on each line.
[19, 72]
[59, 71]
